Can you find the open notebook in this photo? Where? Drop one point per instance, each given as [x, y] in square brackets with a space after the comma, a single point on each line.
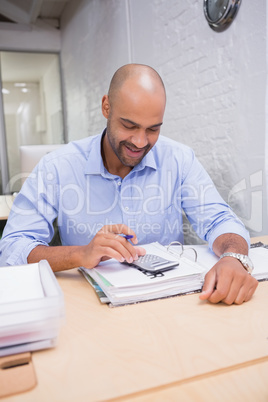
[119, 284]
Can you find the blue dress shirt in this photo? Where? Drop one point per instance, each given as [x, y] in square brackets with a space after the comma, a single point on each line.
[72, 185]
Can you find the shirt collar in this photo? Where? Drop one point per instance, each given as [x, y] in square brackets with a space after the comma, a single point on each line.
[147, 161]
[95, 165]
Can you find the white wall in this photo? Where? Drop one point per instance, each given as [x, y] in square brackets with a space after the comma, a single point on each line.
[94, 46]
[36, 38]
[216, 83]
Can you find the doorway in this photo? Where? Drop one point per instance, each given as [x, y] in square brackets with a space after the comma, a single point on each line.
[32, 109]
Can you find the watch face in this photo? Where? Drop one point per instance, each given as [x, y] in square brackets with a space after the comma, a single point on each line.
[216, 9]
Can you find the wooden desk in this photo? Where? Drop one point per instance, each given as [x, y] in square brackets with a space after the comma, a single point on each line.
[6, 202]
[171, 349]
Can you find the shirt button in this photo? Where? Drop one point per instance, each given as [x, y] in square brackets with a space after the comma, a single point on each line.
[126, 208]
[119, 183]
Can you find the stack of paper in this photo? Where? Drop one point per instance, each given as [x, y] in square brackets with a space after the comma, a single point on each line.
[259, 257]
[31, 308]
[124, 284]
[120, 284]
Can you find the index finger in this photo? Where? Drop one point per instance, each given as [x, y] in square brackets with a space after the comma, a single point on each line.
[208, 286]
[122, 229]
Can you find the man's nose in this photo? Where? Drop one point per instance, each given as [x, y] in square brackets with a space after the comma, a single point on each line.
[140, 139]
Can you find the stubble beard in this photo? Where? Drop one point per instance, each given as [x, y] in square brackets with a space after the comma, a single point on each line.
[119, 150]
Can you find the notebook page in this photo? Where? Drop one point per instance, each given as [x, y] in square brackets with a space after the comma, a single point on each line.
[121, 275]
[20, 283]
[258, 255]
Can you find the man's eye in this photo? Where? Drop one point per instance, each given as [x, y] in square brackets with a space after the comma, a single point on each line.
[129, 127]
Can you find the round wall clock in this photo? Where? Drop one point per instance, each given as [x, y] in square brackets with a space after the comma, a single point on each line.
[220, 13]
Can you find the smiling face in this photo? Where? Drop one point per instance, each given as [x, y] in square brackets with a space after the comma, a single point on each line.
[134, 117]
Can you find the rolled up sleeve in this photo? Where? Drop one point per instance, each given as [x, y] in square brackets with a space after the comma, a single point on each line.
[208, 213]
[30, 222]
[16, 251]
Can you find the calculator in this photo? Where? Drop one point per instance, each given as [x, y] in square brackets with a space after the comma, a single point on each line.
[153, 263]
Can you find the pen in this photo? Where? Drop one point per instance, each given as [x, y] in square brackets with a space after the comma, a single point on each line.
[128, 237]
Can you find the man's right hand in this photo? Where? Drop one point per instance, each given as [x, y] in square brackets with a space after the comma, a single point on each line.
[109, 242]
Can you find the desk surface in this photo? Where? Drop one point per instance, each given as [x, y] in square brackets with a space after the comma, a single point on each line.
[152, 351]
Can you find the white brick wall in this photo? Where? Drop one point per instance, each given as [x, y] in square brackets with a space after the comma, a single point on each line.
[94, 45]
[216, 83]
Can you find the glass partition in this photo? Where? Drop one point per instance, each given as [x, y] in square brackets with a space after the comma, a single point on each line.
[32, 107]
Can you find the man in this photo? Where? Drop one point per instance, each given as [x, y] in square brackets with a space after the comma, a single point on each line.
[127, 181]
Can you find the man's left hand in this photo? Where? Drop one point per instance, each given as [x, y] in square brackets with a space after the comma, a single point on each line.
[228, 282]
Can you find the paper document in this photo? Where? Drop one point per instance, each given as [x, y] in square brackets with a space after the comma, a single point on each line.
[31, 308]
[20, 283]
[123, 284]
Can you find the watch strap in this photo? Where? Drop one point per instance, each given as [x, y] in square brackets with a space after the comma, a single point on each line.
[244, 259]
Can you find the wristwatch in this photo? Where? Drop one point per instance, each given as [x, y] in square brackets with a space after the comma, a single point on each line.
[244, 259]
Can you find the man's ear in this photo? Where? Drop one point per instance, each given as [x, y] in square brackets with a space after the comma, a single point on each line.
[105, 106]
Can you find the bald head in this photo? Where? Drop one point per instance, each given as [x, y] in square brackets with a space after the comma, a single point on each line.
[134, 109]
[142, 76]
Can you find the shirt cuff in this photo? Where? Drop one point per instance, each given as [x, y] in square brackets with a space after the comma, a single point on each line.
[19, 257]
